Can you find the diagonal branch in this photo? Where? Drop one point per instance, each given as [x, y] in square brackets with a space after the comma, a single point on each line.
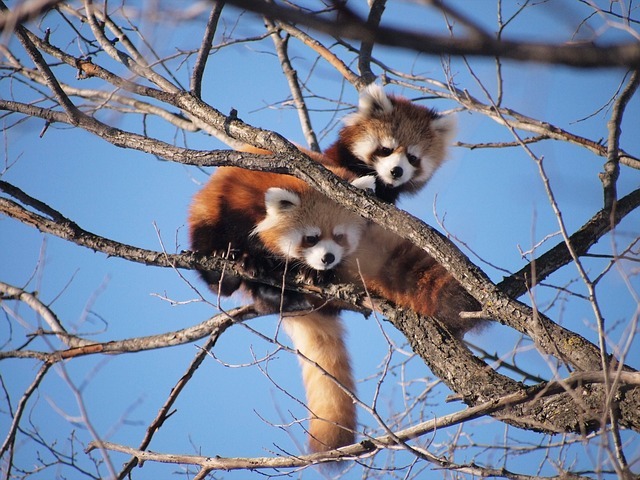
[52, 82]
[582, 240]
[366, 48]
[294, 85]
[471, 378]
[574, 55]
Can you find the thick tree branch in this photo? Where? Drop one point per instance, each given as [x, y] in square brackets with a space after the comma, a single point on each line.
[582, 240]
[574, 55]
[471, 378]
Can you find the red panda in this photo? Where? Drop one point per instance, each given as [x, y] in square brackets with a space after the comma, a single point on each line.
[262, 218]
[226, 216]
[398, 141]
[402, 143]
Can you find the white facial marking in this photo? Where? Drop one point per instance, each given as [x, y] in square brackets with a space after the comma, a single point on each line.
[352, 233]
[288, 243]
[364, 147]
[324, 255]
[311, 231]
[385, 165]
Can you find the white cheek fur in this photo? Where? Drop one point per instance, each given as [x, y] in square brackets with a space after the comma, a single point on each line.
[353, 234]
[364, 147]
[288, 244]
[428, 167]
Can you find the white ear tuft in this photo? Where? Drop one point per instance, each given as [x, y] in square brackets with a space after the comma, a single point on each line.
[279, 199]
[446, 126]
[374, 102]
[368, 182]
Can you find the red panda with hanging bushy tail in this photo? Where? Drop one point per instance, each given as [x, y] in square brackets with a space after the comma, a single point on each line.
[388, 266]
[233, 215]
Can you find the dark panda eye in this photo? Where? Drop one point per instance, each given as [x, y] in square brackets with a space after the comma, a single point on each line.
[413, 160]
[383, 152]
[310, 240]
[338, 238]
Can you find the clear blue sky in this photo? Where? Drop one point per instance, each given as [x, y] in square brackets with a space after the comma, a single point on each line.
[491, 199]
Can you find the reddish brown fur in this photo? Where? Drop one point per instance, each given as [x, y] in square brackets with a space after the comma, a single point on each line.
[406, 275]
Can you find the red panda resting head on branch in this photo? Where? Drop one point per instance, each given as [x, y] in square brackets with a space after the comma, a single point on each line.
[269, 222]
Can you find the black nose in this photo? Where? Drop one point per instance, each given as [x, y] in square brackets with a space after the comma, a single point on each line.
[328, 258]
[396, 172]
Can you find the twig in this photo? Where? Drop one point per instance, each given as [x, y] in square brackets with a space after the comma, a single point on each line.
[227, 319]
[582, 240]
[45, 312]
[137, 68]
[205, 48]
[612, 168]
[11, 435]
[324, 52]
[294, 86]
[52, 82]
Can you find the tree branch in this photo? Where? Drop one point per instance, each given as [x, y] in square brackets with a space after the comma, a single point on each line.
[573, 55]
[582, 240]
[371, 446]
[611, 167]
[294, 86]
[205, 48]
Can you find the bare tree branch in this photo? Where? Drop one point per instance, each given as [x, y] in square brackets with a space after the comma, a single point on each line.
[575, 55]
[281, 45]
[611, 167]
[370, 446]
[205, 48]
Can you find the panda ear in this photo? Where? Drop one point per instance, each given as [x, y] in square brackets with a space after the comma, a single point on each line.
[445, 125]
[280, 200]
[373, 103]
